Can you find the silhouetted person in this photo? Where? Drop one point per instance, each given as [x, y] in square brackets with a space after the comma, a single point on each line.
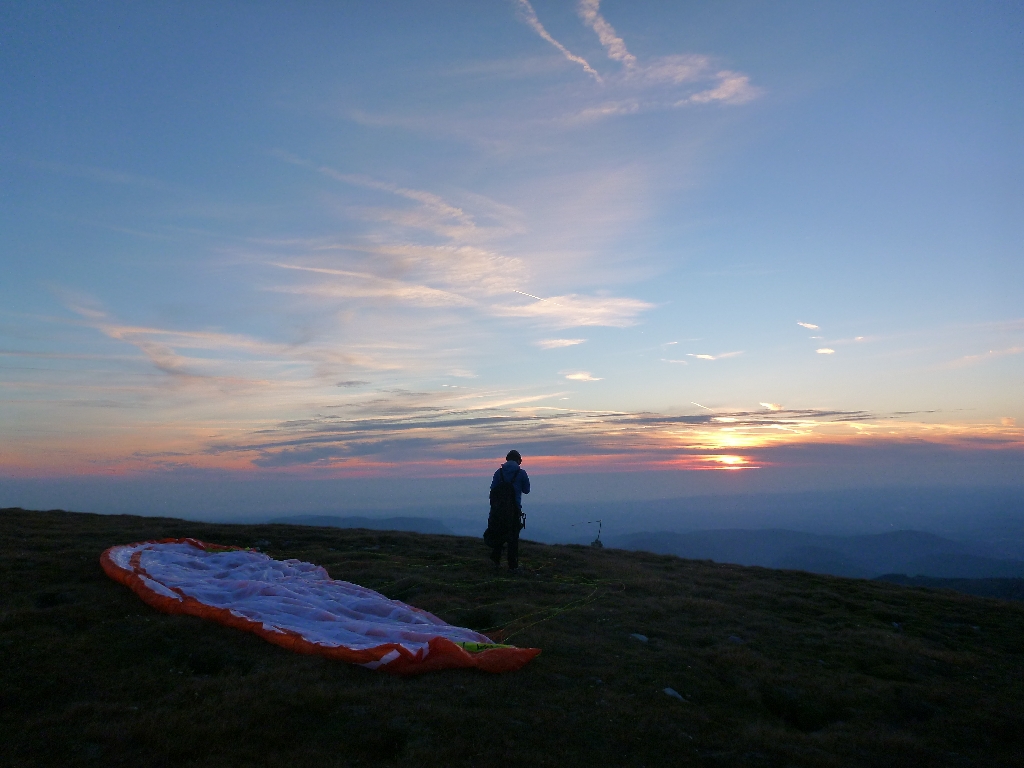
[505, 521]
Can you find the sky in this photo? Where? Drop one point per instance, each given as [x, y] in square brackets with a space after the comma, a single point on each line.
[371, 241]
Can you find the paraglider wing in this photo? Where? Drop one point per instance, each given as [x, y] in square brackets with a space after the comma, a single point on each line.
[298, 606]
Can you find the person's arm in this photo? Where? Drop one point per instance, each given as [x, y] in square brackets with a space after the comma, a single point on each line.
[524, 486]
[494, 480]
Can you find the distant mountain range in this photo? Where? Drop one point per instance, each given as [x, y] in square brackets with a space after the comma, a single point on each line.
[914, 553]
[910, 553]
[410, 524]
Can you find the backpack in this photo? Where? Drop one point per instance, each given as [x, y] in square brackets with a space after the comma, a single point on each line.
[505, 516]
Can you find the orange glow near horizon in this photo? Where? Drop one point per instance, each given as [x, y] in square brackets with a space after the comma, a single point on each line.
[609, 442]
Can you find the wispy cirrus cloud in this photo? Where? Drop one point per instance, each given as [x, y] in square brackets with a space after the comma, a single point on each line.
[433, 213]
[573, 310]
[636, 83]
[232, 361]
[731, 88]
[360, 285]
[810, 326]
[557, 343]
[470, 268]
[722, 356]
[459, 273]
[675, 70]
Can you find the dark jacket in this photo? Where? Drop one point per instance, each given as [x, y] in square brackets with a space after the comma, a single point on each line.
[520, 482]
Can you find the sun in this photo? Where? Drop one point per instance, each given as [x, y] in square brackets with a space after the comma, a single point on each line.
[730, 461]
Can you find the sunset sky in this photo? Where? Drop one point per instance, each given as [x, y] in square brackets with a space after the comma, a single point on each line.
[330, 240]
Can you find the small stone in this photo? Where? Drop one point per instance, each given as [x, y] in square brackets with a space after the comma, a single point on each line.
[637, 636]
[673, 693]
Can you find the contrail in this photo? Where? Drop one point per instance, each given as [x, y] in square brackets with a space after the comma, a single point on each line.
[530, 17]
[538, 298]
[703, 406]
[590, 12]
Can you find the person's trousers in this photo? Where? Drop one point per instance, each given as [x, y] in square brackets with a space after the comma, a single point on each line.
[512, 539]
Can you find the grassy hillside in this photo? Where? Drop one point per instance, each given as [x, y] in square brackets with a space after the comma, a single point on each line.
[776, 668]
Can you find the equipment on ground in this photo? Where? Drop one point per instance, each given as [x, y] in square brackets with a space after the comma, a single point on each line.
[298, 606]
[596, 543]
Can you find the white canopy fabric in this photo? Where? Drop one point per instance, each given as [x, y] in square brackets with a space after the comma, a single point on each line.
[298, 605]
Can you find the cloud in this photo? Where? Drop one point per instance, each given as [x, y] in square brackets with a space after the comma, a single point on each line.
[771, 406]
[722, 356]
[825, 351]
[671, 71]
[433, 213]
[352, 383]
[984, 357]
[581, 376]
[680, 362]
[606, 109]
[615, 47]
[231, 362]
[651, 85]
[573, 310]
[557, 343]
[1008, 421]
[529, 16]
[467, 266]
[643, 84]
[675, 69]
[810, 326]
[463, 274]
[429, 200]
[160, 345]
[400, 431]
[359, 285]
[732, 88]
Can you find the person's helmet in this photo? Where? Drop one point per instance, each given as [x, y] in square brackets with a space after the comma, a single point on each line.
[514, 456]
